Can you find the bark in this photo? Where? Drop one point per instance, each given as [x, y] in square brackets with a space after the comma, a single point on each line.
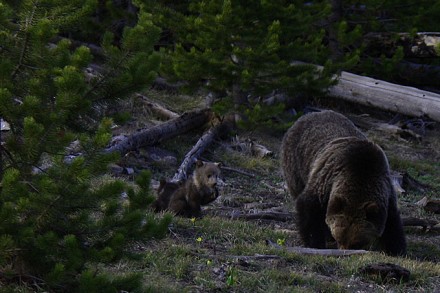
[196, 151]
[164, 131]
[387, 96]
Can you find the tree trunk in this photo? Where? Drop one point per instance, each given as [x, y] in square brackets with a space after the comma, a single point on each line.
[387, 96]
[167, 130]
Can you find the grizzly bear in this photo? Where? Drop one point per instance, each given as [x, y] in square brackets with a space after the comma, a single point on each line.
[342, 186]
[186, 199]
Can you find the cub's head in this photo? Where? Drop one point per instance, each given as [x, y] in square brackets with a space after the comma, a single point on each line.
[206, 175]
[355, 226]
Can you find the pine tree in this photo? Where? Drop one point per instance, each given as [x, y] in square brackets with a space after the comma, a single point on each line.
[57, 219]
[240, 48]
[358, 19]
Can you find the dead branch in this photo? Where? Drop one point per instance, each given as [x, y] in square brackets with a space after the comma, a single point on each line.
[196, 151]
[164, 131]
[275, 216]
[158, 109]
[238, 171]
[315, 251]
[251, 147]
[430, 205]
[409, 183]
[239, 257]
[426, 224]
[391, 129]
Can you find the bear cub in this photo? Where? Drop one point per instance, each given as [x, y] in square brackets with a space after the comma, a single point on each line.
[342, 185]
[186, 199]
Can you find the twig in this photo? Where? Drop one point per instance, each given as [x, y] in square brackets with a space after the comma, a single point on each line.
[276, 216]
[158, 109]
[238, 171]
[241, 257]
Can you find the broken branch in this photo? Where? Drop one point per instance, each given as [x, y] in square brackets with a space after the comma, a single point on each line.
[164, 131]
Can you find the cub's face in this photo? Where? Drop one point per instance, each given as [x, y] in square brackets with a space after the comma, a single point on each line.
[355, 226]
[207, 174]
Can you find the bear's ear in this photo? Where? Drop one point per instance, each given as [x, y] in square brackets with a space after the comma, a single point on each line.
[218, 164]
[371, 211]
[371, 207]
[336, 205]
[199, 163]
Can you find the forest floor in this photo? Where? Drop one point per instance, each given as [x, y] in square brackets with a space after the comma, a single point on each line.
[228, 251]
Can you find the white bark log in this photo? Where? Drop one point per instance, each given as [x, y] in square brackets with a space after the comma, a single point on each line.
[387, 96]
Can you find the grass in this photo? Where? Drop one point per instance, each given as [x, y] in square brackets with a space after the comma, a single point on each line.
[226, 260]
[217, 254]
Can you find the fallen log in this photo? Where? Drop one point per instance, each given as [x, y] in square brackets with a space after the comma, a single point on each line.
[425, 224]
[164, 131]
[196, 151]
[386, 96]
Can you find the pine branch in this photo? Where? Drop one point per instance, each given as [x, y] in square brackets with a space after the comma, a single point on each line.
[28, 24]
[107, 75]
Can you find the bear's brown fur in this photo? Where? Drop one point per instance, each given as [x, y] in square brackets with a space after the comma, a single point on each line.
[164, 193]
[342, 186]
[187, 199]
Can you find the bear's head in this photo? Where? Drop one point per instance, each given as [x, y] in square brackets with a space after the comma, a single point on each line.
[355, 225]
[206, 175]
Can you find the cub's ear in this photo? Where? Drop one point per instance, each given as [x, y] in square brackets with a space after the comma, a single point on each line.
[199, 163]
[218, 165]
[162, 183]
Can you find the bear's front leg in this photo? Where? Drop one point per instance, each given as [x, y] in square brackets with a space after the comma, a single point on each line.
[393, 239]
[311, 220]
